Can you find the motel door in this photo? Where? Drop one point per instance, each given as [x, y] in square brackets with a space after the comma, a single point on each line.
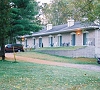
[40, 42]
[33, 41]
[51, 41]
[84, 38]
[73, 39]
[60, 40]
[26, 43]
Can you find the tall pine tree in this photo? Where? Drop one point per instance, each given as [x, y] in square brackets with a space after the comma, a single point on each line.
[23, 20]
[4, 24]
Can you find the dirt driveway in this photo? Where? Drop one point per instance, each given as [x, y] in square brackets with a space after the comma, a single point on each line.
[10, 56]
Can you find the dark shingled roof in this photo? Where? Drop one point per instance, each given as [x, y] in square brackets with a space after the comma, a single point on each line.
[64, 28]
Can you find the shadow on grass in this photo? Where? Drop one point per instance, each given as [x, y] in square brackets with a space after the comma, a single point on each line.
[8, 61]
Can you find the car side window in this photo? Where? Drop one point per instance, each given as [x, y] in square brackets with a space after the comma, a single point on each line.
[9, 46]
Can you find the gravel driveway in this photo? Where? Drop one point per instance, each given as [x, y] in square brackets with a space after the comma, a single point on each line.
[10, 56]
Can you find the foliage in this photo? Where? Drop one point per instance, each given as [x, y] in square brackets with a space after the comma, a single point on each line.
[4, 18]
[4, 24]
[84, 9]
[59, 11]
[30, 76]
[17, 17]
[97, 10]
[23, 20]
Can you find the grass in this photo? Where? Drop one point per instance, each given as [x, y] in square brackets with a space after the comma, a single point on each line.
[48, 57]
[30, 76]
[61, 48]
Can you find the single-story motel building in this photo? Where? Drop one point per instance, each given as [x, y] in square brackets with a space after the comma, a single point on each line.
[70, 34]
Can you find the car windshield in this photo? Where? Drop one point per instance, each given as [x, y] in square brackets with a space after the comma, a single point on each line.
[8, 45]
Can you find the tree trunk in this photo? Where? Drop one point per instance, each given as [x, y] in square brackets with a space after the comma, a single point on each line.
[3, 48]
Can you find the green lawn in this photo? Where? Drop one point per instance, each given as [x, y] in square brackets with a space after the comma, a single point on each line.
[48, 57]
[30, 76]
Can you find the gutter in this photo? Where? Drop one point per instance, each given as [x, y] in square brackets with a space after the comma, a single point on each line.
[64, 30]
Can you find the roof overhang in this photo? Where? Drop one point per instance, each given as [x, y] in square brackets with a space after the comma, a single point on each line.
[60, 31]
[66, 30]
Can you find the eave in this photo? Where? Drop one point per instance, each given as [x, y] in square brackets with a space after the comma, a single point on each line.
[65, 30]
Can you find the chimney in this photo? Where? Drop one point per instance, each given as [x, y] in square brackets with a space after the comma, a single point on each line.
[49, 26]
[70, 22]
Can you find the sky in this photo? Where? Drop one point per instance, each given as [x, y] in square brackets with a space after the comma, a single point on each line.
[44, 1]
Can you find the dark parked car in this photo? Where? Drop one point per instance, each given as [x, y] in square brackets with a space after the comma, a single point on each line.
[14, 47]
[98, 60]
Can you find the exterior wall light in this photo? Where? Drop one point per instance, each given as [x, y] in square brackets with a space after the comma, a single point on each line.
[22, 38]
[78, 33]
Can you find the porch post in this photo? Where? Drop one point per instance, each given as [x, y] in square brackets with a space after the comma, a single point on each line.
[97, 48]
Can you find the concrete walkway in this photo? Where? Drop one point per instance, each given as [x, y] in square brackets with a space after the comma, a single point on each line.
[10, 56]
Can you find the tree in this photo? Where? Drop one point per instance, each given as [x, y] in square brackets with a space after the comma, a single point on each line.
[84, 9]
[59, 11]
[23, 20]
[17, 17]
[97, 11]
[4, 24]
